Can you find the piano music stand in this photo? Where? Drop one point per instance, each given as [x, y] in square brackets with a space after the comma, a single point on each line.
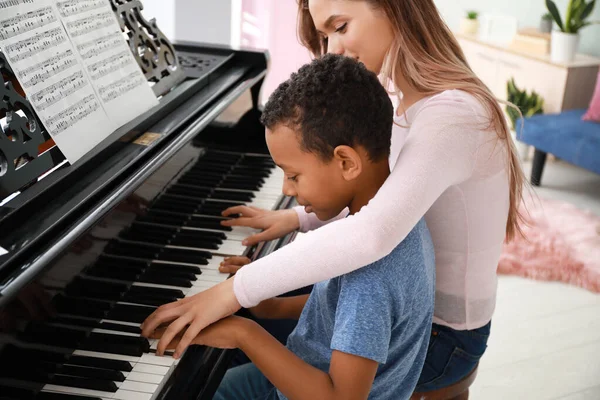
[20, 136]
[150, 47]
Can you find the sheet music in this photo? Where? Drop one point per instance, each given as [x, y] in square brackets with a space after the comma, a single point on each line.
[43, 58]
[114, 72]
[75, 67]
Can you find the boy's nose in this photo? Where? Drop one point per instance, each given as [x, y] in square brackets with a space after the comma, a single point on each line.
[288, 188]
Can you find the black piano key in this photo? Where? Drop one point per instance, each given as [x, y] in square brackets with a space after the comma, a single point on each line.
[13, 352]
[166, 239]
[94, 373]
[80, 321]
[157, 252]
[81, 306]
[117, 345]
[245, 197]
[49, 334]
[166, 280]
[9, 392]
[176, 268]
[63, 396]
[84, 383]
[84, 287]
[111, 326]
[208, 223]
[155, 217]
[159, 292]
[123, 274]
[130, 313]
[190, 190]
[104, 363]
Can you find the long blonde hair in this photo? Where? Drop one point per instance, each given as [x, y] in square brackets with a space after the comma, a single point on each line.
[426, 54]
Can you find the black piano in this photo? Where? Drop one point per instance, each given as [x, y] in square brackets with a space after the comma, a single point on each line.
[89, 250]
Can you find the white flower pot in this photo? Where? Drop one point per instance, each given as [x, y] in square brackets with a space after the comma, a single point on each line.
[564, 46]
[469, 26]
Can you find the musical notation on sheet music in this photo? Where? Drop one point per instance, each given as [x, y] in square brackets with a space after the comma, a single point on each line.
[41, 71]
[26, 22]
[73, 114]
[60, 90]
[92, 23]
[120, 87]
[30, 46]
[107, 66]
[74, 7]
[13, 3]
[64, 53]
[98, 46]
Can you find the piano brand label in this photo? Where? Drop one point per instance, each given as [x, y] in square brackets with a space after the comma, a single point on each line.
[147, 138]
[2, 251]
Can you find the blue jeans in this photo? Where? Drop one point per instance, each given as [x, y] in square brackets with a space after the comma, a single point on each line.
[245, 382]
[451, 355]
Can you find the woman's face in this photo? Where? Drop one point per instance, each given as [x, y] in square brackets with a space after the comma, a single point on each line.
[353, 29]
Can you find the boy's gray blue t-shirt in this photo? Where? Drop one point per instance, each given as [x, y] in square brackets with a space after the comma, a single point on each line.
[382, 312]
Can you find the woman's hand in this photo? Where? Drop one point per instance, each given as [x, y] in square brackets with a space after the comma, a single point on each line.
[197, 311]
[224, 334]
[275, 224]
[232, 265]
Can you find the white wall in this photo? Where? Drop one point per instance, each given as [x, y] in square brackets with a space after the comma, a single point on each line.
[164, 12]
[528, 13]
[203, 21]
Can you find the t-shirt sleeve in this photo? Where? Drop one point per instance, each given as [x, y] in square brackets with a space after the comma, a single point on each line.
[365, 314]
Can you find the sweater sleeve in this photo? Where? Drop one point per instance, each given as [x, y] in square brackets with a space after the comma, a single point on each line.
[309, 221]
[440, 151]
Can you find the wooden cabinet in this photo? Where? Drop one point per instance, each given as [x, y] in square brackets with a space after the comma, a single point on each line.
[563, 86]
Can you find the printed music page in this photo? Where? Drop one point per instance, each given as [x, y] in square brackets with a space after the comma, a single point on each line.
[35, 42]
[114, 72]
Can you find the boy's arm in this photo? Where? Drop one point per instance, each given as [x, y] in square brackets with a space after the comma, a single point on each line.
[350, 377]
[280, 307]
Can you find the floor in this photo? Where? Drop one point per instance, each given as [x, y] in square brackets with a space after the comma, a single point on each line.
[545, 340]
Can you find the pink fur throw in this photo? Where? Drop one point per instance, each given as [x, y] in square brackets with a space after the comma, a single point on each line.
[562, 244]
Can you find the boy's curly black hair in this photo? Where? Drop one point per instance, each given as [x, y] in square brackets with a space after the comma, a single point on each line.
[333, 101]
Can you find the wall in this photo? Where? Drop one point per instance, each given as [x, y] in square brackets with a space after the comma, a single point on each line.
[164, 12]
[528, 13]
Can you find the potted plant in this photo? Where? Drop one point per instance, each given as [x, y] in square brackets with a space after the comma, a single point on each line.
[546, 23]
[469, 24]
[528, 105]
[565, 39]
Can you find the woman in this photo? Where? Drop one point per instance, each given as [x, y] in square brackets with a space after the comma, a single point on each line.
[457, 168]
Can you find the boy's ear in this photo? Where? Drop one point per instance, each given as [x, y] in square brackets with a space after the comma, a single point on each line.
[348, 161]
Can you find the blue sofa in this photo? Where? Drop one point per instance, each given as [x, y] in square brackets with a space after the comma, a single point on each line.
[566, 136]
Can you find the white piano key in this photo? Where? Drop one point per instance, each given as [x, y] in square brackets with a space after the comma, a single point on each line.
[138, 386]
[80, 391]
[145, 378]
[152, 359]
[123, 394]
[151, 369]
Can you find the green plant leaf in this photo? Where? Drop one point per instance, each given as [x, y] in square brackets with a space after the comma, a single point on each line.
[569, 16]
[588, 10]
[551, 6]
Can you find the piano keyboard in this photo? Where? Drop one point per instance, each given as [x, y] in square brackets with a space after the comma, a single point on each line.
[92, 348]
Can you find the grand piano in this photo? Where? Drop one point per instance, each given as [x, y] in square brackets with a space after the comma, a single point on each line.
[89, 250]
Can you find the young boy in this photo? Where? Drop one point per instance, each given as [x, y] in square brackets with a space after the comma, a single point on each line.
[364, 334]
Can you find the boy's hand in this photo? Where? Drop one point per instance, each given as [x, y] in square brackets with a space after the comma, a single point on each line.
[274, 223]
[223, 334]
[231, 265]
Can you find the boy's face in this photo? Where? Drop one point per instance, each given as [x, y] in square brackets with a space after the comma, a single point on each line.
[317, 185]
